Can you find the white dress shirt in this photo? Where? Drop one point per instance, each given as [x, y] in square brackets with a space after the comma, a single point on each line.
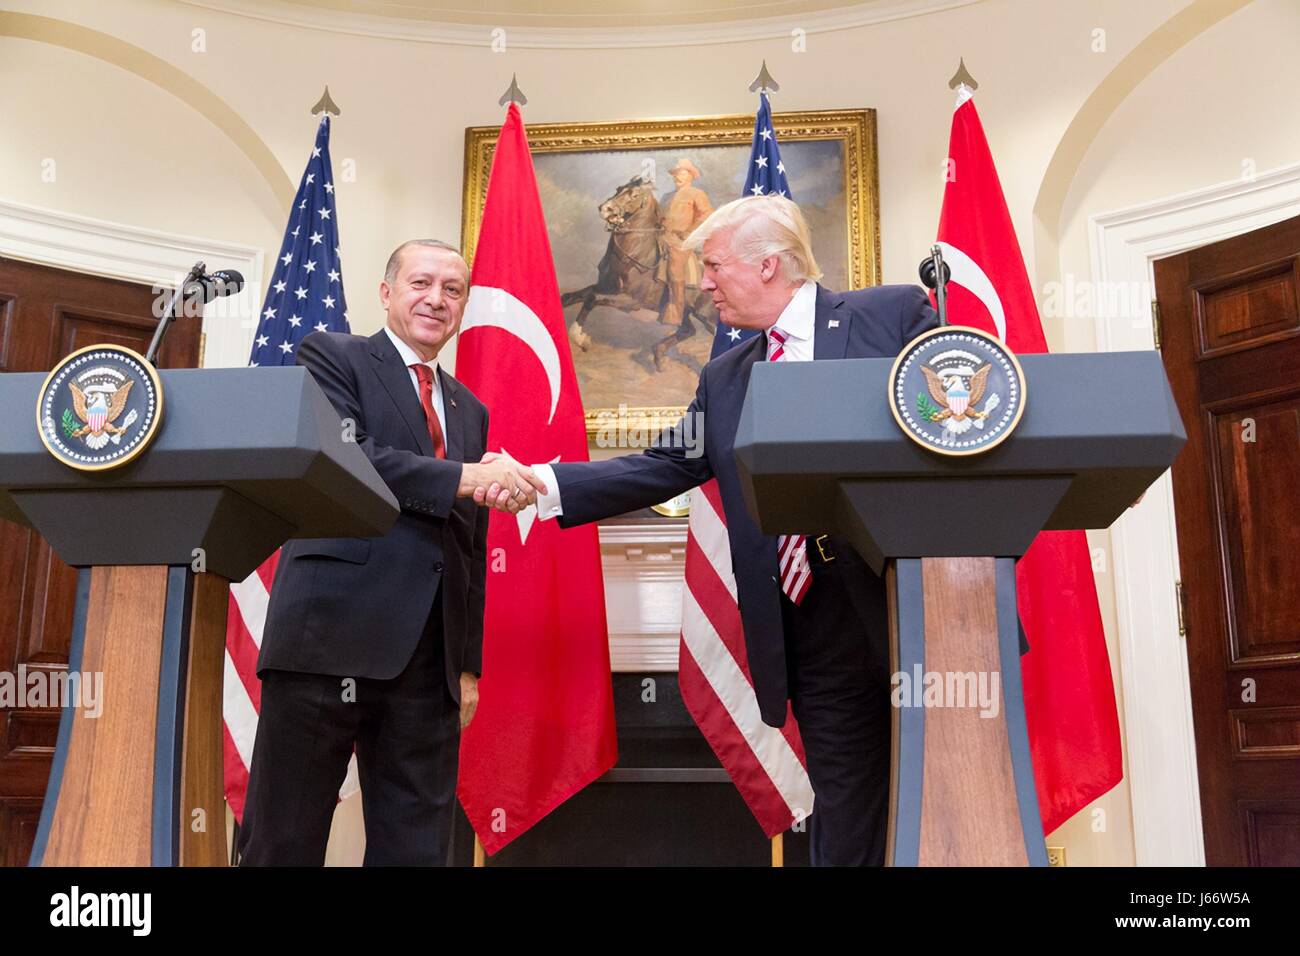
[409, 358]
[797, 320]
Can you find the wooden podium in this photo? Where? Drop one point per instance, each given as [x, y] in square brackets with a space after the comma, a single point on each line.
[1097, 430]
[244, 460]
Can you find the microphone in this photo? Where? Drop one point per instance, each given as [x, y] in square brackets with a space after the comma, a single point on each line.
[214, 285]
[927, 272]
[935, 273]
[199, 287]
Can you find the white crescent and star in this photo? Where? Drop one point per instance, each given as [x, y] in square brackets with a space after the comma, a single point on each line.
[489, 307]
[966, 272]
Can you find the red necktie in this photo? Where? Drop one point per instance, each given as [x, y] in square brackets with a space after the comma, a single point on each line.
[425, 375]
[791, 549]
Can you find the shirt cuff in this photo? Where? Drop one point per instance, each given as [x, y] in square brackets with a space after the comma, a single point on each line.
[548, 505]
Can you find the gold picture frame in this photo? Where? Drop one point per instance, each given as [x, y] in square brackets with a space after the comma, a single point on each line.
[855, 129]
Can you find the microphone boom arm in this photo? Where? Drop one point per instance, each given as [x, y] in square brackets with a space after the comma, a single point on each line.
[151, 356]
[935, 273]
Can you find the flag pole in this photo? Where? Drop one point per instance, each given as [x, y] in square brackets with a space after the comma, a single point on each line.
[763, 83]
[326, 105]
[778, 850]
[962, 78]
[513, 93]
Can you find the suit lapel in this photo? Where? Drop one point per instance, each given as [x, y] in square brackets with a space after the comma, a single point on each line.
[831, 326]
[738, 384]
[455, 416]
[396, 378]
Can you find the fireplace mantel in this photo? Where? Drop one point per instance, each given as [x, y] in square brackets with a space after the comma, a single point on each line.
[643, 563]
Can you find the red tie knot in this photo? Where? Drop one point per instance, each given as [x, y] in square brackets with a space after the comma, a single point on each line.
[423, 373]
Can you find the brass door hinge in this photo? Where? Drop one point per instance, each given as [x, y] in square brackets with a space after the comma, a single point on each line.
[1182, 608]
[1155, 322]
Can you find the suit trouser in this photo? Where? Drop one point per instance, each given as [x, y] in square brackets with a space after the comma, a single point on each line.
[837, 659]
[407, 737]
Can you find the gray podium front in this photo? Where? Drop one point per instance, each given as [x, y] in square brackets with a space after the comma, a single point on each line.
[244, 460]
[1097, 430]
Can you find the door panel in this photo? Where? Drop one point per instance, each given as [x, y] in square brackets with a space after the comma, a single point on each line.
[1230, 327]
[45, 314]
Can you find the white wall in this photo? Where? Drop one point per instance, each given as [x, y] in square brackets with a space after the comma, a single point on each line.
[406, 104]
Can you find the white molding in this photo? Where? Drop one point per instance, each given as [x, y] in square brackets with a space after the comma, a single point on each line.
[1153, 658]
[117, 251]
[575, 38]
[644, 567]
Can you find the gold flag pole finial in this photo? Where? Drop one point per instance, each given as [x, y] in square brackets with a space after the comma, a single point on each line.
[514, 94]
[326, 105]
[963, 78]
[763, 83]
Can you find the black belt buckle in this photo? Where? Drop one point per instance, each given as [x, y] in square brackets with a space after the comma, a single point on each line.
[826, 558]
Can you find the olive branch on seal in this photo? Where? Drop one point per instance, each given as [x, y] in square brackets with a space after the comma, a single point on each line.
[926, 408]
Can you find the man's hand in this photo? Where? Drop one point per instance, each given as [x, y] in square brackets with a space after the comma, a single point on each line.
[468, 698]
[501, 482]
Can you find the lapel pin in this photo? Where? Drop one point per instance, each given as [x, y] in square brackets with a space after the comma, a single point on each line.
[833, 323]
[453, 403]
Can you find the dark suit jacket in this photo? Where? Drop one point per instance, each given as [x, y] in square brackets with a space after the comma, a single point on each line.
[871, 323]
[356, 607]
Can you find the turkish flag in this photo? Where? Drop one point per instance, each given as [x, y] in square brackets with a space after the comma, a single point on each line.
[545, 722]
[1069, 696]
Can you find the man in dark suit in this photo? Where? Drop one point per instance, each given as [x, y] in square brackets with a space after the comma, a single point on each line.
[377, 643]
[814, 614]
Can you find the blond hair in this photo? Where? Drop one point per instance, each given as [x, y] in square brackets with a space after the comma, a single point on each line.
[764, 226]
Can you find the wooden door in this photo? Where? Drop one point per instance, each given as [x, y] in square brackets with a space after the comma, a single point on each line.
[1230, 333]
[45, 314]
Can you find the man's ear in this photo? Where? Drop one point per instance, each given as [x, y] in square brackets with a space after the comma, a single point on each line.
[384, 293]
[767, 269]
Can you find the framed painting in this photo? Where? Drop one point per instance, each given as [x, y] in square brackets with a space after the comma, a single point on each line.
[619, 197]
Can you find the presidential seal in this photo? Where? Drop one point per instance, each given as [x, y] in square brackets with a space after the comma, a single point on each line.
[956, 391]
[99, 408]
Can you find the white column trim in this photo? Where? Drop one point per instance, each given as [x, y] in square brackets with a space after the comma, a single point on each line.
[1153, 658]
[119, 251]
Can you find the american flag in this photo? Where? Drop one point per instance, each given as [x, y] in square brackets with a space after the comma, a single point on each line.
[305, 296]
[767, 764]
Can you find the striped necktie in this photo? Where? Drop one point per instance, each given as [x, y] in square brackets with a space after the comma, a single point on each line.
[791, 549]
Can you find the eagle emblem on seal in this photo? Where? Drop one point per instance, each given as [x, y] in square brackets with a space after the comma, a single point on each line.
[98, 404]
[958, 389]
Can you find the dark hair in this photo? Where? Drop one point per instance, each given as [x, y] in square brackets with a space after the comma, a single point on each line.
[390, 270]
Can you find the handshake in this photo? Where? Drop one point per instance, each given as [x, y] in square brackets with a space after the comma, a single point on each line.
[498, 481]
